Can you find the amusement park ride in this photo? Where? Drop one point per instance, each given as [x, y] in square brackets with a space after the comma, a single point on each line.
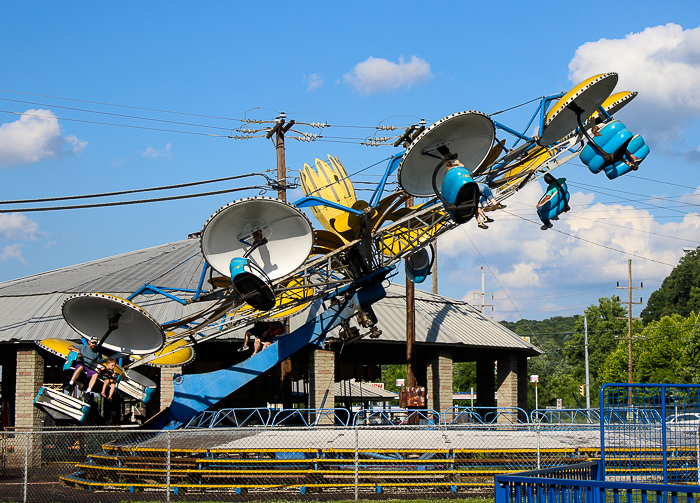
[265, 261]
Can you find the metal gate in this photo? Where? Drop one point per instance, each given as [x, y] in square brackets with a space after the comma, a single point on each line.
[650, 433]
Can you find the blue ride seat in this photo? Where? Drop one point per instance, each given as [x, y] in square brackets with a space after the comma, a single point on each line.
[148, 394]
[558, 201]
[460, 189]
[615, 139]
[70, 360]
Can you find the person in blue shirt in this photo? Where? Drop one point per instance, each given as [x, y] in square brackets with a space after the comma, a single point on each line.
[87, 361]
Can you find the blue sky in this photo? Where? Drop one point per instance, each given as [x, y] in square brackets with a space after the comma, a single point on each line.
[360, 64]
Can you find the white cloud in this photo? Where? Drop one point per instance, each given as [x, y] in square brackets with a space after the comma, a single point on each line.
[17, 226]
[314, 80]
[378, 74]
[155, 153]
[12, 252]
[78, 145]
[35, 136]
[531, 264]
[662, 63]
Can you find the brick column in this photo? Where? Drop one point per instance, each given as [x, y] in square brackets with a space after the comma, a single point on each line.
[322, 378]
[167, 388]
[30, 377]
[439, 377]
[523, 380]
[485, 381]
[507, 382]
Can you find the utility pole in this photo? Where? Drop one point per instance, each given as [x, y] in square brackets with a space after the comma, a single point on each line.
[629, 303]
[434, 271]
[484, 294]
[588, 376]
[412, 132]
[411, 364]
[279, 130]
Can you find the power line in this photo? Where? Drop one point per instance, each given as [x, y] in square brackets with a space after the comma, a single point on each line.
[593, 242]
[663, 198]
[117, 115]
[122, 125]
[662, 181]
[140, 201]
[104, 194]
[603, 221]
[380, 128]
[121, 106]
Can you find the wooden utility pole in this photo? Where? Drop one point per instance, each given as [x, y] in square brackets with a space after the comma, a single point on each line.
[279, 131]
[629, 303]
[411, 364]
[411, 133]
[434, 271]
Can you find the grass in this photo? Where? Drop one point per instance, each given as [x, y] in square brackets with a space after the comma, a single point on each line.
[384, 500]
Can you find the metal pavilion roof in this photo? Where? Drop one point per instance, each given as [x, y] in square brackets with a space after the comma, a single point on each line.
[30, 307]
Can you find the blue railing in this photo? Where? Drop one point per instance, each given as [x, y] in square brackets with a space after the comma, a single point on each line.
[484, 415]
[567, 416]
[581, 483]
[376, 417]
[311, 417]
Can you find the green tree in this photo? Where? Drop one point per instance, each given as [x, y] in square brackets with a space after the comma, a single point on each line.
[390, 373]
[550, 335]
[606, 330]
[665, 352]
[679, 293]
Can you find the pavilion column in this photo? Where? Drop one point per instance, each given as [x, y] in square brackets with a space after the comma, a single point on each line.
[439, 380]
[322, 381]
[485, 381]
[30, 379]
[523, 380]
[167, 386]
[512, 382]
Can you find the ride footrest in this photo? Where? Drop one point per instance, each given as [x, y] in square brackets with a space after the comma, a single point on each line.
[60, 406]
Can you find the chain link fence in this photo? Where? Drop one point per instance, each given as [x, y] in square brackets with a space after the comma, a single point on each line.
[279, 463]
[651, 433]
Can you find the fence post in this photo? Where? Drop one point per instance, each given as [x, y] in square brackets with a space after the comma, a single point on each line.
[501, 492]
[26, 465]
[663, 432]
[167, 469]
[357, 461]
[697, 453]
[538, 447]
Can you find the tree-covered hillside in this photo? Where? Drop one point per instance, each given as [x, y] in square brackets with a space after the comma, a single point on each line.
[679, 293]
[665, 348]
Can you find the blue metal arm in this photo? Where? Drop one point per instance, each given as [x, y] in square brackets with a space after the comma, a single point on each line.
[392, 166]
[308, 201]
[195, 393]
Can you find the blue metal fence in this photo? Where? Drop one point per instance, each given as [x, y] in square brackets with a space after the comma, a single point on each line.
[650, 448]
[582, 483]
[651, 433]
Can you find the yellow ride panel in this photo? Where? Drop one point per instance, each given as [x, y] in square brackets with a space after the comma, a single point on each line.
[330, 182]
[173, 354]
[563, 101]
[59, 347]
[523, 168]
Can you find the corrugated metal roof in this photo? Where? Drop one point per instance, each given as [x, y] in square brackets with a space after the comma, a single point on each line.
[178, 263]
[443, 321]
[30, 307]
[351, 389]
